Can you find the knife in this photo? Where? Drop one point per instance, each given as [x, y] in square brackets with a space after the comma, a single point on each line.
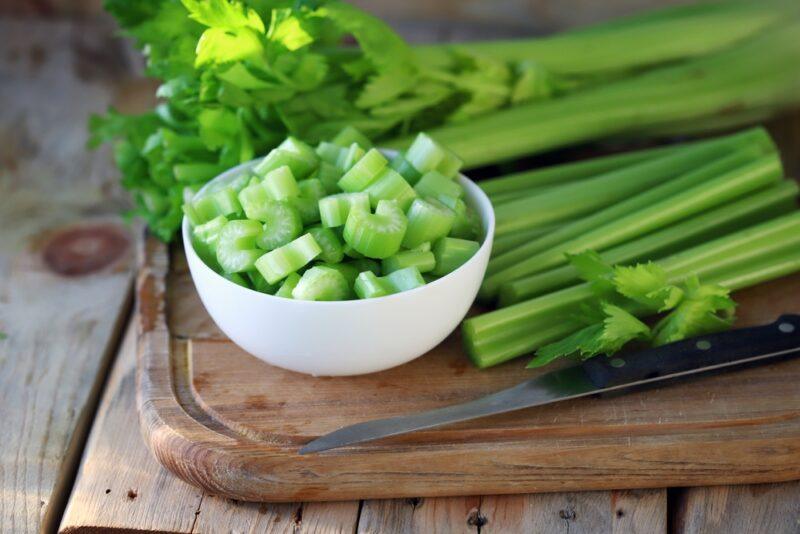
[598, 375]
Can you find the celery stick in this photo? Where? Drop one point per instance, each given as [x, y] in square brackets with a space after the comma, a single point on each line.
[451, 253]
[424, 261]
[334, 209]
[280, 184]
[574, 199]
[276, 265]
[428, 220]
[364, 172]
[376, 235]
[321, 283]
[329, 242]
[497, 336]
[350, 135]
[704, 172]
[283, 224]
[569, 172]
[756, 175]
[390, 185]
[771, 202]
[288, 285]
[512, 240]
[236, 246]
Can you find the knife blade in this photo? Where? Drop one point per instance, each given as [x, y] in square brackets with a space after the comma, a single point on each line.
[703, 354]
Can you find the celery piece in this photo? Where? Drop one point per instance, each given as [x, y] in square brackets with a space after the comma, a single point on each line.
[321, 283]
[334, 209]
[363, 173]
[211, 205]
[280, 184]
[369, 286]
[254, 200]
[282, 261]
[366, 264]
[282, 225]
[288, 285]
[404, 279]
[424, 154]
[348, 270]
[311, 188]
[352, 253]
[435, 185]
[303, 150]
[406, 170]
[329, 152]
[236, 246]
[450, 164]
[451, 253]
[422, 247]
[389, 185]
[349, 157]
[466, 224]
[259, 283]
[350, 135]
[428, 220]
[329, 175]
[329, 242]
[377, 235]
[423, 261]
[208, 233]
[308, 208]
[237, 279]
[300, 166]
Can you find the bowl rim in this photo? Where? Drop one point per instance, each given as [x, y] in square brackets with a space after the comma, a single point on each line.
[476, 192]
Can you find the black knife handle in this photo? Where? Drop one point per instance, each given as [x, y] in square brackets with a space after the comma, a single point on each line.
[696, 353]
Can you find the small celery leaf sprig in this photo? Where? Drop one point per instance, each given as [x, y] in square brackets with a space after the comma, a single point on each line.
[687, 309]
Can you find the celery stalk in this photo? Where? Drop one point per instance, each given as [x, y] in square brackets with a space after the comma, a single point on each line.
[774, 201]
[756, 175]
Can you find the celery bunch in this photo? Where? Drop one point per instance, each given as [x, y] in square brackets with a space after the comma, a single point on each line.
[240, 75]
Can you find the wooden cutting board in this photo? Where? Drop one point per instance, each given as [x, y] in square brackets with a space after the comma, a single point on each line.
[231, 424]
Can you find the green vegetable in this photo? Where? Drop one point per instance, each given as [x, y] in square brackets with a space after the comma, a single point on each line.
[321, 283]
[368, 285]
[280, 184]
[428, 220]
[424, 261]
[335, 209]
[283, 224]
[376, 235]
[390, 185]
[435, 185]
[288, 285]
[276, 265]
[364, 172]
[237, 77]
[236, 246]
[329, 242]
[452, 253]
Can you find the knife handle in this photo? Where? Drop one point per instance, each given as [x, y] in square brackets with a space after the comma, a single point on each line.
[704, 351]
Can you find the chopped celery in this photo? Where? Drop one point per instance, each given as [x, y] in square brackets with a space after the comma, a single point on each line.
[422, 260]
[208, 233]
[329, 175]
[288, 285]
[209, 206]
[424, 154]
[406, 170]
[321, 283]
[236, 246]
[348, 270]
[364, 172]
[352, 253]
[329, 152]
[300, 166]
[349, 157]
[282, 261]
[329, 242]
[282, 225]
[450, 164]
[377, 235]
[422, 247]
[259, 283]
[280, 184]
[308, 208]
[334, 209]
[428, 220]
[311, 188]
[350, 135]
[435, 185]
[296, 146]
[466, 224]
[237, 279]
[369, 286]
[452, 253]
[366, 264]
[389, 185]
[254, 200]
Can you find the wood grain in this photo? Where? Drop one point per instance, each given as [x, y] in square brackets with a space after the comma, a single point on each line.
[66, 262]
[442, 515]
[755, 509]
[231, 424]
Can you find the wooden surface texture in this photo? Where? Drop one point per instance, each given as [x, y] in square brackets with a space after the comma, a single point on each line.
[55, 70]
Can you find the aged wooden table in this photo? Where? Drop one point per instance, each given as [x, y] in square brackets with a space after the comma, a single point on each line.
[71, 457]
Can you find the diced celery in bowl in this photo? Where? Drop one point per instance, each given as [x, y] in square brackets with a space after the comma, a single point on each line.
[316, 258]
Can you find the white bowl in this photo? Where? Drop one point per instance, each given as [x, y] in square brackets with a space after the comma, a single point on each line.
[344, 337]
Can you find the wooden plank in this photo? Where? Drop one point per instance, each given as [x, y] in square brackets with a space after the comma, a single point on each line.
[754, 509]
[119, 484]
[66, 265]
[444, 514]
[634, 511]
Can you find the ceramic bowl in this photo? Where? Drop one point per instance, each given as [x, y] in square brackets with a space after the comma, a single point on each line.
[344, 337]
